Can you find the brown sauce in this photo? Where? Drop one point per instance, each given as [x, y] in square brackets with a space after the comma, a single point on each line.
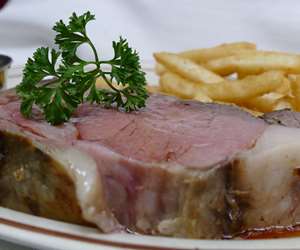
[273, 232]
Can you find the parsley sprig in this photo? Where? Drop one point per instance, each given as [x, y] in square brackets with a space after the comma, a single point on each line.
[69, 83]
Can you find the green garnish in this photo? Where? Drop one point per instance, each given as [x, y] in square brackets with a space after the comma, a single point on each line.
[71, 83]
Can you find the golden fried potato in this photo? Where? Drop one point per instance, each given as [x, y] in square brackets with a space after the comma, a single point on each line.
[101, 84]
[187, 68]
[226, 91]
[226, 49]
[202, 97]
[159, 69]
[285, 103]
[264, 103]
[285, 88]
[240, 90]
[178, 86]
[201, 56]
[234, 73]
[255, 62]
[153, 89]
[295, 85]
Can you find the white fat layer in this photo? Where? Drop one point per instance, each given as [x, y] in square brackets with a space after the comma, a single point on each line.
[276, 136]
[83, 171]
[266, 172]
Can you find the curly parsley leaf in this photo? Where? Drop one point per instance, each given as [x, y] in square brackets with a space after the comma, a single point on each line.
[70, 84]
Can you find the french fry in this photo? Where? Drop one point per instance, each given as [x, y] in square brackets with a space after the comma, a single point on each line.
[241, 74]
[285, 88]
[292, 77]
[240, 90]
[285, 103]
[178, 86]
[257, 81]
[159, 69]
[202, 97]
[295, 85]
[201, 56]
[255, 62]
[101, 84]
[264, 103]
[226, 91]
[187, 68]
[279, 99]
[171, 83]
[153, 89]
[226, 49]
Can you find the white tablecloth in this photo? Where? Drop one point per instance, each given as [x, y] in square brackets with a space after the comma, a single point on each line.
[153, 25]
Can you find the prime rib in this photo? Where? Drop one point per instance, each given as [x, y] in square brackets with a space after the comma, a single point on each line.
[176, 168]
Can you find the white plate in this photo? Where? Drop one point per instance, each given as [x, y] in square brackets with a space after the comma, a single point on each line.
[43, 233]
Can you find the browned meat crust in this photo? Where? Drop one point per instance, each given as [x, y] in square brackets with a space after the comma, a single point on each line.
[34, 183]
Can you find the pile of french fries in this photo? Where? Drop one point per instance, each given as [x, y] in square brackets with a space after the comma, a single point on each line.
[236, 73]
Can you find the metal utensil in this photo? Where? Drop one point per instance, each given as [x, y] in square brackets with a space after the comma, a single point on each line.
[5, 62]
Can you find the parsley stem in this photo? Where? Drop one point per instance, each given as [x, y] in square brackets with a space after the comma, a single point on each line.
[94, 51]
[109, 83]
[50, 82]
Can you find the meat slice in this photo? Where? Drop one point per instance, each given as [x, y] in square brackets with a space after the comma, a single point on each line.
[189, 133]
[166, 169]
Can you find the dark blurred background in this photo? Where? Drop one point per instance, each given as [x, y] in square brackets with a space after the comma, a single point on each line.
[2, 3]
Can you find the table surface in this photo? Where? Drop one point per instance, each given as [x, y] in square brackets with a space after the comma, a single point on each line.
[152, 25]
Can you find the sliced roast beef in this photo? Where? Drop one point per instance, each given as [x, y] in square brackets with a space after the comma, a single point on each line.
[177, 168]
[193, 134]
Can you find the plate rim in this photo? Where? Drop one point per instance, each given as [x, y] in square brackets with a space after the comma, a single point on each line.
[17, 220]
[69, 236]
